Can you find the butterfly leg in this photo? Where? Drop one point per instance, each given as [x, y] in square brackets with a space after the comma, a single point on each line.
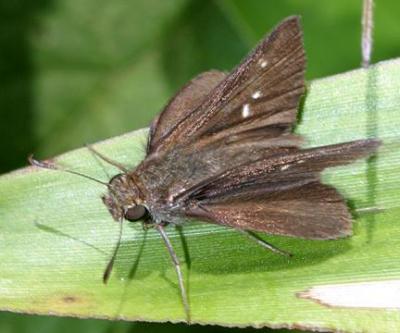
[110, 265]
[177, 265]
[263, 243]
[148, 224]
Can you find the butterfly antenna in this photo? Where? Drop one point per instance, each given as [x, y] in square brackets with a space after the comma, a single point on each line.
[107, 271]
[177, 265]
[53, 166]
[112, 162]
[106, 159]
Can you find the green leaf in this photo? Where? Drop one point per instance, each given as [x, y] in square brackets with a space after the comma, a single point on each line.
[56, 236]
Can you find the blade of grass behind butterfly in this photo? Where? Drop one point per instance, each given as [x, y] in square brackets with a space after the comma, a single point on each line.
[56, 235]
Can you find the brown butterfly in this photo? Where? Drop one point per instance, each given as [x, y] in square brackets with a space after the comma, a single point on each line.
[222, 151]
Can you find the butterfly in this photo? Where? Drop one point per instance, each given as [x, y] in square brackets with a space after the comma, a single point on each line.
[222, 151]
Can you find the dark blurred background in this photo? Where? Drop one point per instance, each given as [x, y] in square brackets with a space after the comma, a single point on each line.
[78, 71]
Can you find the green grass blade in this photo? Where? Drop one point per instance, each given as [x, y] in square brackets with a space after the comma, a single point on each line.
[56, 235]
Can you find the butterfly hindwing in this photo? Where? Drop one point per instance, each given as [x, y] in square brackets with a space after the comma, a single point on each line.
[281, 194]
[310, 211]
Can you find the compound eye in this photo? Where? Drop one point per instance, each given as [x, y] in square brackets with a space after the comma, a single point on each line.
[135, 213]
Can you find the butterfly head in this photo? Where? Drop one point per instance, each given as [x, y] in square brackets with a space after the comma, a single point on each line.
[123, 199]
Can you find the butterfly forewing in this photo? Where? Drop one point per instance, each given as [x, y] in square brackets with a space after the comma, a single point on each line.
[264, 90]
[222, 149]
[269, 97]
[285, 167]
[181, 105]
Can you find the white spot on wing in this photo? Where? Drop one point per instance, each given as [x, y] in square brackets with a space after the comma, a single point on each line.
[372, 295]
[256, 95]
[264, 63]
[285, 167]
[246, 111]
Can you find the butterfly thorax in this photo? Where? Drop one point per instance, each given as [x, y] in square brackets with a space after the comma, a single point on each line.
[159, 178]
